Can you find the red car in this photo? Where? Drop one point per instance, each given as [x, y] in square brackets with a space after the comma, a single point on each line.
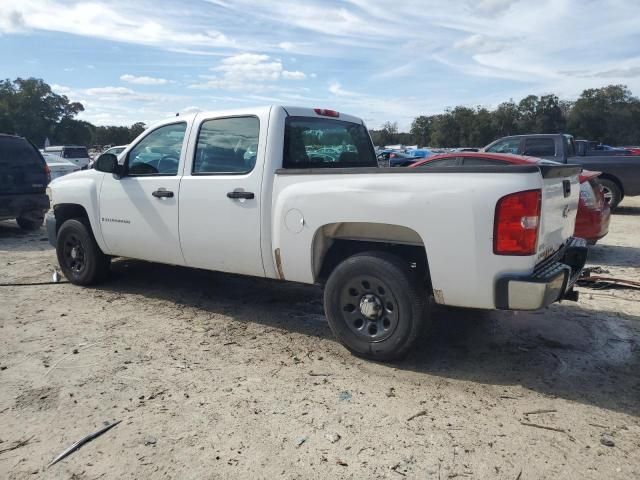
[592, 219]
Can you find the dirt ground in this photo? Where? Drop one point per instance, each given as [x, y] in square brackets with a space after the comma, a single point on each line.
[218, 376]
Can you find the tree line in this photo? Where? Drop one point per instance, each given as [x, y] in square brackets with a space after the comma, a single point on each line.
[610, 115]
[29, 108]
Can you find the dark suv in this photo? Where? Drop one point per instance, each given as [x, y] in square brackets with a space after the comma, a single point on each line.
[24, 176]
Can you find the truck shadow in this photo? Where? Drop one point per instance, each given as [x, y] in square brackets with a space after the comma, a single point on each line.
[587, 356]
[614, 255]
[13, 238]
[626, 210]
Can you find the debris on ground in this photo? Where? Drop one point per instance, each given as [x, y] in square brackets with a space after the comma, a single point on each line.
[83, 441]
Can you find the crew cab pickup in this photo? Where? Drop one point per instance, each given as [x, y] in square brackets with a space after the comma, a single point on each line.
[239, 191]
[620, 175]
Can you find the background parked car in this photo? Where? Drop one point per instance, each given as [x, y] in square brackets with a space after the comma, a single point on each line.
[24, 176]
[58, 166]
[395, 158]
[117, 150]
[620, 175]
[74, 153]
[594, 213]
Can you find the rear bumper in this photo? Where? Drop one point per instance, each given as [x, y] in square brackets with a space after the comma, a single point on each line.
[551, 281]
[14, 206]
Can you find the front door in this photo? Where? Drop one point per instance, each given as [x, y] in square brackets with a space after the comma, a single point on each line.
[139, 211]
[220, 196]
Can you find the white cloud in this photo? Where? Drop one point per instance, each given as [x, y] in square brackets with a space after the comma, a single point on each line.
[295, 75]
[99, 20]
[143, 80]
[336, 89]
[248, 71]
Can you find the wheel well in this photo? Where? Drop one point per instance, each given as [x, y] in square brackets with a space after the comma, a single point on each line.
[66, 211]
[606, 176]
[415, 257]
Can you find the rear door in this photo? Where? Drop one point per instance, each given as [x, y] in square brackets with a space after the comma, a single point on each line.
[22, 169]
[221, 194]
[560, 194]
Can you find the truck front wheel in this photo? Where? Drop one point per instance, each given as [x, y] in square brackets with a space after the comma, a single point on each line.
[79, 256]
[375, 305]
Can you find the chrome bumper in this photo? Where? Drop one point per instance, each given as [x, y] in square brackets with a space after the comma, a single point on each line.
[551, 281]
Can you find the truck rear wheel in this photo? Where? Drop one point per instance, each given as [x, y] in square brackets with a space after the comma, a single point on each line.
[79, 256]
[375, 305]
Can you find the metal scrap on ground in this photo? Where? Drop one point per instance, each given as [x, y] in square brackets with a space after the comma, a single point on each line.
[82, 441]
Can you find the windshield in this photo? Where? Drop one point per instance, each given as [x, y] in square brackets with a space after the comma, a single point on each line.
[323, 143]
[75, 152]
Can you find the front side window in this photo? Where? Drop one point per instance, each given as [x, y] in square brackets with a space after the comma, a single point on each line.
[510, 145]
[540, 147]
[227, 145]
[159, 152]
[323, 143]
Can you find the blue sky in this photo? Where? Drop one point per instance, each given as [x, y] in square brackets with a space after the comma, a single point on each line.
[142, 60]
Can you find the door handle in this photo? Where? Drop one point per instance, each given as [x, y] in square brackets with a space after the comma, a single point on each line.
[237, 194]
[161, 193]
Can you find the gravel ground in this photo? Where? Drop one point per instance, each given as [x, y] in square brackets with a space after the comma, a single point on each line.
[219, 376]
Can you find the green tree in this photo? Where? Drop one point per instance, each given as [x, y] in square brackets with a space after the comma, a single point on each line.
[421, 130]
[30, 108]
[610, 115]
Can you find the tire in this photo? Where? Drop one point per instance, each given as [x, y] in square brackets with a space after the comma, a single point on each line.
[30, 222]
[612, 192]
[79, 256]
[375, 305]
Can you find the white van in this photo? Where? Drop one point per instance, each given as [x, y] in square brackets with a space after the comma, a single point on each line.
[74, 153]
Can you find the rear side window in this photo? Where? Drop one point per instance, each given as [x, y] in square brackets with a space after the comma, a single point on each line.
[445, 162]
[17, 152]
[323, 143]
[510, 145]
[227, 145]
[483, 162]
[75, 152]
[540, 147]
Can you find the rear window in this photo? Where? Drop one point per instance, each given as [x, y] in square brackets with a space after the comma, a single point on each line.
[17, 151]
[540, 147]
[323, 143]
[75, 152]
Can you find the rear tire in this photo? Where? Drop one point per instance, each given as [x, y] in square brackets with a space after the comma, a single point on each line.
[79, 256]
[376, 305]
[30, 221]
[612, 192]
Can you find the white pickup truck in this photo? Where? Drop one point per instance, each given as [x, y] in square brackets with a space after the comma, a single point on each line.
[295, 194]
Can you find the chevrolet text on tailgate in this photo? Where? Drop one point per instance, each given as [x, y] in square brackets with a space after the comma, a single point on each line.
[295, 194]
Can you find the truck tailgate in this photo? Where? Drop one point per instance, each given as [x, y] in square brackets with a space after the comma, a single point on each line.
[560, 195]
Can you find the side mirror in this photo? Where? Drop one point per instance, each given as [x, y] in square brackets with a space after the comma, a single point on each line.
[108, 163]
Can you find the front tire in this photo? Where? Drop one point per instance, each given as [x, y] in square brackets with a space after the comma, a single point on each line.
[375, 305]
[79, 256]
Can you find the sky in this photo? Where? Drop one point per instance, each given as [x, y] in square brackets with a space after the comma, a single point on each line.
[143, 60]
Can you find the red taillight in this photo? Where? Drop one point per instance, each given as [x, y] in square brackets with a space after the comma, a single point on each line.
[47, 170]
[517, 221]
[326, 113]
